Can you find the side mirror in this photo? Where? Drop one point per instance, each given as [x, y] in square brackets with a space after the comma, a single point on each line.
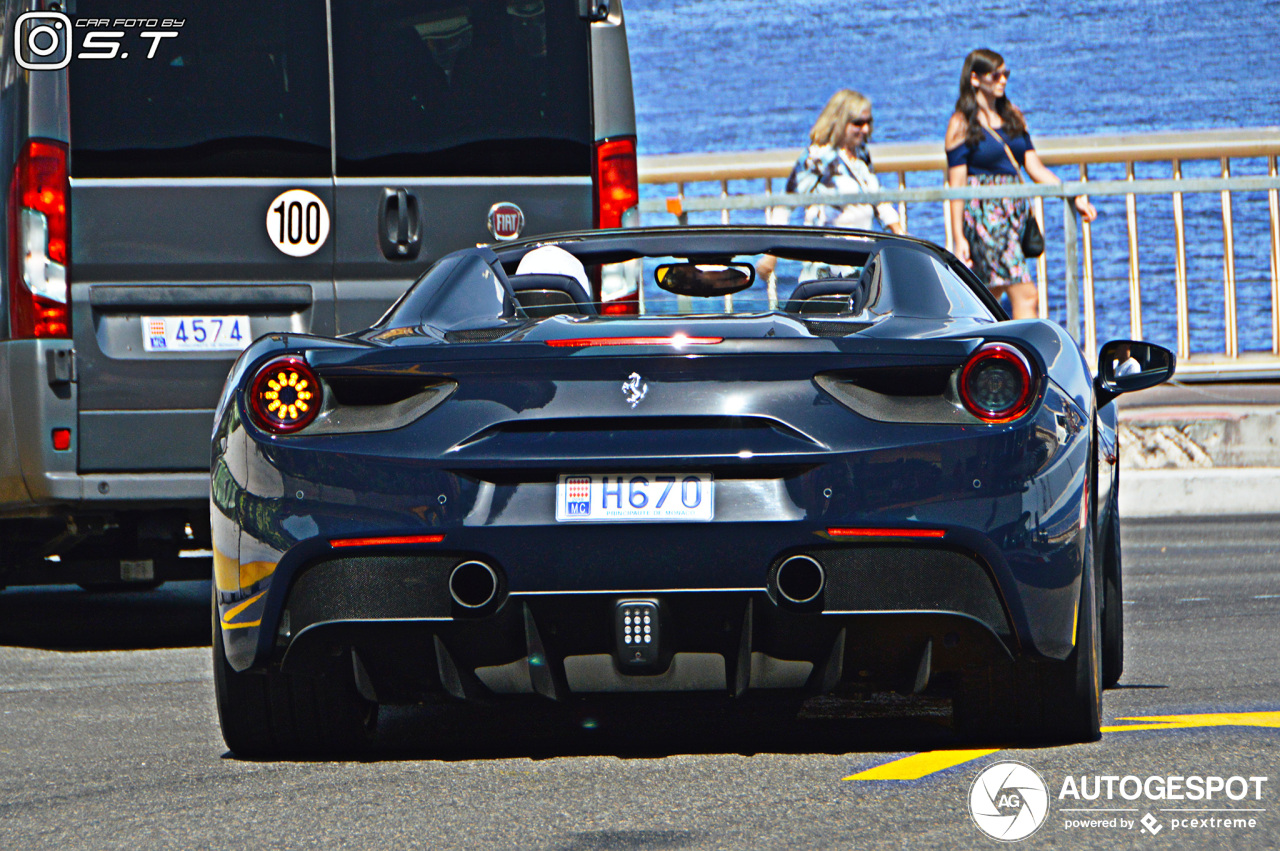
[705, 279]
[1128, 365]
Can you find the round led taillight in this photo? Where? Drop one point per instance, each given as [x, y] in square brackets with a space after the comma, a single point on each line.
[285, 396]
[996, 384]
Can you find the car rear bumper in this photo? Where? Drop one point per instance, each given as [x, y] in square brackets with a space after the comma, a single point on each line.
[726, 642]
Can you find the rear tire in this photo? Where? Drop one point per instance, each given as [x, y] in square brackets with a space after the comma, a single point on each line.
[1112, 607]
[1041, 701]
[268, 714]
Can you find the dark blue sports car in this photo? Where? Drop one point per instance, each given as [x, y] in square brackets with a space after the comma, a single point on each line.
[855, 477]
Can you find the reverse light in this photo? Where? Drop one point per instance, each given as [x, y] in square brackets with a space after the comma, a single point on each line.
[996, 383]
[38, 282]
[285, 396]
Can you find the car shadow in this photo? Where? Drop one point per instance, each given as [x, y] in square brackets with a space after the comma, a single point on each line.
[527, 730]
[66, 617]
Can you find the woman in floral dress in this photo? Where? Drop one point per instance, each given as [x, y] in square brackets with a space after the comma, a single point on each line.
[987, 233]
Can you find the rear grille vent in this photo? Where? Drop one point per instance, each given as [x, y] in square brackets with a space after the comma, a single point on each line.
[478, 335]
[819, 328]
[374, 389]
[910, 578]
[391, 586]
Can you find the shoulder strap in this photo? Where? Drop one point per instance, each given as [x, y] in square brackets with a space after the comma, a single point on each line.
[1016, 168]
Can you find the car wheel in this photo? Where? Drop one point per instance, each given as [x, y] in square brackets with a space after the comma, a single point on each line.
[1112, 607]
[1041, 701]
[267, 714]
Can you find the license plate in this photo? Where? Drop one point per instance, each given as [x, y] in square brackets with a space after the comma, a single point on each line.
[635, 496]
[195, 333]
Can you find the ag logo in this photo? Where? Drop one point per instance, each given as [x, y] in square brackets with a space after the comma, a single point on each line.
[1008, 801]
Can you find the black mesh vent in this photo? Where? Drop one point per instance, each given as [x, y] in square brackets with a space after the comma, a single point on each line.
[914, 578]
[818, 328]
[392, 586]
[478, 335]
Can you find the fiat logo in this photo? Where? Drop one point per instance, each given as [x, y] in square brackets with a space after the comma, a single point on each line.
[506, 220]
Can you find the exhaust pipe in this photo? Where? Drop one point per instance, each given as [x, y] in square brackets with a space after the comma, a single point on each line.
[800, 580]
[473, 584]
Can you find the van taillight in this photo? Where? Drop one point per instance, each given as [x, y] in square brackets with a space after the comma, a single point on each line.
[617, 190]
[616, 181]
[38, 283]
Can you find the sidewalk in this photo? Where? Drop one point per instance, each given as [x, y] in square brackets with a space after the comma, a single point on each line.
[1200, 449]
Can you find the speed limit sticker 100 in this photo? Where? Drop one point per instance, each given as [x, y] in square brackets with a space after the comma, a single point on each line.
[297, 222]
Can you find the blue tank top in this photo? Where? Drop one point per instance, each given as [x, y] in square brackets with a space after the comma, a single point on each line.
[988, 156]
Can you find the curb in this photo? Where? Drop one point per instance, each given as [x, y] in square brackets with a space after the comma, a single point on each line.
[1199, 492]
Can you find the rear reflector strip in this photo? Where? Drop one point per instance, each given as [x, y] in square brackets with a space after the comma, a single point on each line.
[886, 533]
[678, 341]
[385, 541]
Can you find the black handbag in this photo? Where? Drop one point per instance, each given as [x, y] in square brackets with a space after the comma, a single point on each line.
[1031, 238]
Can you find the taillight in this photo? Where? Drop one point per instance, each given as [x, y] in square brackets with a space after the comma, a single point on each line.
[996, 384]
[617, 184]
[285, 396]
[617, 190]
[38, 283]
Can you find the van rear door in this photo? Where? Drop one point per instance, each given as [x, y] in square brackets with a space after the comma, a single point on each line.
[445, 110]
[180, 146]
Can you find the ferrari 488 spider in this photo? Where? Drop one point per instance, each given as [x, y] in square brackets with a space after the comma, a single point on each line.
[856, 477]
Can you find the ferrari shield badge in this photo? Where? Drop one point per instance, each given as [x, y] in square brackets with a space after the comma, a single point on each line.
[634, 389]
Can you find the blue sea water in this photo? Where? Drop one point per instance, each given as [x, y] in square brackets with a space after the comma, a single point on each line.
[727, 75]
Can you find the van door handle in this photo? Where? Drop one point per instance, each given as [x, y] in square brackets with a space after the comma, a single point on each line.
[400, 225]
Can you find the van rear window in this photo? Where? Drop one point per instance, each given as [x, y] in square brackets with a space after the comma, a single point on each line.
[241, 90]
[461, 87]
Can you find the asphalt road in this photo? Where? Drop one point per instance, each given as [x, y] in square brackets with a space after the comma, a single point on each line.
[108, 739]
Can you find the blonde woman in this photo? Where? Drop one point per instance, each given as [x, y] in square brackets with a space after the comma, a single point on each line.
[987, 141]
[837, 163]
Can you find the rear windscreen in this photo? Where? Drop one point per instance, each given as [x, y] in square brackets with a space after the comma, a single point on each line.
[448, 88]
[186, 88]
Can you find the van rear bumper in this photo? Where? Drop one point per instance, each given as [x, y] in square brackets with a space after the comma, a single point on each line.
[102, 489]
[35, 477]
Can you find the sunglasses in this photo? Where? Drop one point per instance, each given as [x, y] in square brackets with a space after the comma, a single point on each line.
[1004, 73]
[861, 122]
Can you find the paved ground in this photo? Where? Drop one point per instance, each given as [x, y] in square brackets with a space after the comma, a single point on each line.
[108, 740]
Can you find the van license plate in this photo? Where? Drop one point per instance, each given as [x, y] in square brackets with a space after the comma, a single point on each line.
[679, 497]
[195, 333]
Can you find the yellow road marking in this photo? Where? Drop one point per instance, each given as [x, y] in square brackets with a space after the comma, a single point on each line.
[919, 765]
[1184, 722]
[240, 607]
[923, 764]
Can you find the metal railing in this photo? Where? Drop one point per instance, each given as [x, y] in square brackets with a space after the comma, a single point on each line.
[1078, 278]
